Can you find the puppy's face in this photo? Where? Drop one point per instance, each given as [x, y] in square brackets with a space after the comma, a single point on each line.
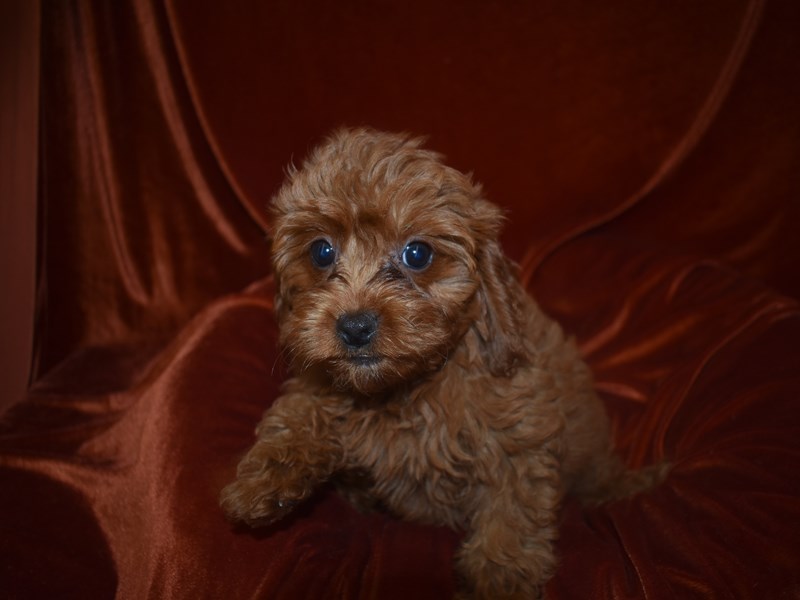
[376, 250]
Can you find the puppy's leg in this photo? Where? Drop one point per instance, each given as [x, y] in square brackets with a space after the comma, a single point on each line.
[295, 451]
[509, 551]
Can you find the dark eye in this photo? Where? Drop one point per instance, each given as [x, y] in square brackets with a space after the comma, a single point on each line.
[322, 253]
[417, 255]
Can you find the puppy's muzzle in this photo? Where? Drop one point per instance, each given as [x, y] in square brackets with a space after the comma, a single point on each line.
[357, 330]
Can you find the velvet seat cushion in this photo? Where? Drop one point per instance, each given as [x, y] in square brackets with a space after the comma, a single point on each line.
[115, 491]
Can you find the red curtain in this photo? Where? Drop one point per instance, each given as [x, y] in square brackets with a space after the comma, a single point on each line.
[19, 81]
[648, 155]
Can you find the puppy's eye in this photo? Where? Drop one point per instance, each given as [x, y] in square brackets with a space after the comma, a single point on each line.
[322, 253]
[417, 255]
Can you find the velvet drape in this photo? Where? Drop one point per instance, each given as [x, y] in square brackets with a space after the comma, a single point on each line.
[648, 154]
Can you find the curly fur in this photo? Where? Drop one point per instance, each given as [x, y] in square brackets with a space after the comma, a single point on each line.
[467, 408]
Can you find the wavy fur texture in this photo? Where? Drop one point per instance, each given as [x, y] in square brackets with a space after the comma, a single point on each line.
[467, 406]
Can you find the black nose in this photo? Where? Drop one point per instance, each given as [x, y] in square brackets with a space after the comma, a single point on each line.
[357, 329]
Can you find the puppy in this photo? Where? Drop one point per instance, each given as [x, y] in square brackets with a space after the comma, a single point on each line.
[422, 369]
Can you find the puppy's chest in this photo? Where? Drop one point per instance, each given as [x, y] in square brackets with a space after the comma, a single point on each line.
[419, 469]
[422, 446]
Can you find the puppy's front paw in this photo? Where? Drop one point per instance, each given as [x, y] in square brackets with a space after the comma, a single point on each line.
[255, 502]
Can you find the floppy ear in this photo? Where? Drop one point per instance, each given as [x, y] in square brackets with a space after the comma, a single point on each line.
[282, 300]
[500, 323]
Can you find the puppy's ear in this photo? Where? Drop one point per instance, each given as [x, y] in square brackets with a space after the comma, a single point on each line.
[500, 323]
[282, 303]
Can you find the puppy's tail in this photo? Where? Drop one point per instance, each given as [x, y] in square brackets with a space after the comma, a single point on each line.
[610, 480]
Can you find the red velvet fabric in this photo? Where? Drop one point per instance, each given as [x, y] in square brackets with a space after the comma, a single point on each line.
[647, 154]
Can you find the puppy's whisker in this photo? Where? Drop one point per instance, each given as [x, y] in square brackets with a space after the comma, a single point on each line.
[282, 356]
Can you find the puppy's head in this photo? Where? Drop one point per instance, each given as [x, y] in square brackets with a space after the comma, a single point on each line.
[384, 258]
